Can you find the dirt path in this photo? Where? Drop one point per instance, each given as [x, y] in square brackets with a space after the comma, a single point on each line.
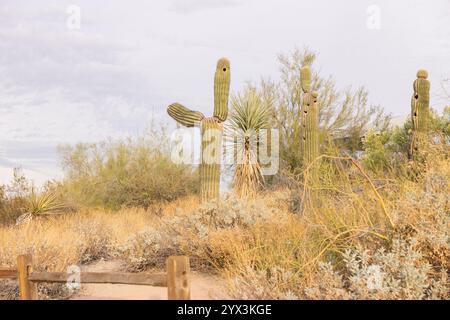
[203, 286]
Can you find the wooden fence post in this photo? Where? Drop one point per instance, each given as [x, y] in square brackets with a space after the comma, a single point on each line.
[178, 282]
[27, 289]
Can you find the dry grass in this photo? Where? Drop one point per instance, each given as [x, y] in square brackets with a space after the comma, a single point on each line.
[325, 251]
[90, 234]
[348, 228]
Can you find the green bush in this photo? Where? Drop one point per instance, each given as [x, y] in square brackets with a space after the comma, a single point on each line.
[13, 197]
[129, 173]
[388, 150]
[376, 154]
[440, 124]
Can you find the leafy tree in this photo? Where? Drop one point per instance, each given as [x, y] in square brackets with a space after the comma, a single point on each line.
[345, 115]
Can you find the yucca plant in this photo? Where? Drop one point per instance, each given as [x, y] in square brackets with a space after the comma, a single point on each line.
[44, 203]
[250, 114]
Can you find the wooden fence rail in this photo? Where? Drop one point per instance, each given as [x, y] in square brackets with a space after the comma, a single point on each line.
[8, 273]
[176, 279]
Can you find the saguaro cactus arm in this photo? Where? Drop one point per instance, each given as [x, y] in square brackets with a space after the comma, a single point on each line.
[211, 130]
[184, 116]
[221, 89]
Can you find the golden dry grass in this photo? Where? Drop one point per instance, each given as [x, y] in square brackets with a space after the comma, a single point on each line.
[58, 241]
[264, 249]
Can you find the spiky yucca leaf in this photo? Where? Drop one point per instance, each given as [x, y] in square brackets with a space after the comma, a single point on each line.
[249, 114]
[44, 203]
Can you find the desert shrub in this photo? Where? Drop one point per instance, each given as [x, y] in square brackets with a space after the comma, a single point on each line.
[376, 154]
[198, 233]
[142, 249]
[337, 254]
[189, 233]
[134, 172]
[440, 124]
[52, 291]
[271, 284]
[398, 273]
[386, 153]
[96, 240]
[13, 197]
[227, 213]
[9, 290]
[423, 214]
[439, 127]
[21, 201]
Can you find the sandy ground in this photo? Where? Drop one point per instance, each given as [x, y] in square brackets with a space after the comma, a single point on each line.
[203, 286]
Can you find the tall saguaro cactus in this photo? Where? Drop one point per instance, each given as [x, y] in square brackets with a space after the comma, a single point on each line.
[211, 131]
[309, 143]
[420, 109]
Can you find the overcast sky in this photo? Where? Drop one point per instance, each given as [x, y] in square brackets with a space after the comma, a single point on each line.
[130, 59]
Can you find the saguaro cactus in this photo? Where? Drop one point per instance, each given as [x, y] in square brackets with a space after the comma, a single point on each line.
[309, 143]
[211, 130]
[420, 109]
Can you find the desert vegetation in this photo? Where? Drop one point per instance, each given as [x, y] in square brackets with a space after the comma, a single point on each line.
[359, 209]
